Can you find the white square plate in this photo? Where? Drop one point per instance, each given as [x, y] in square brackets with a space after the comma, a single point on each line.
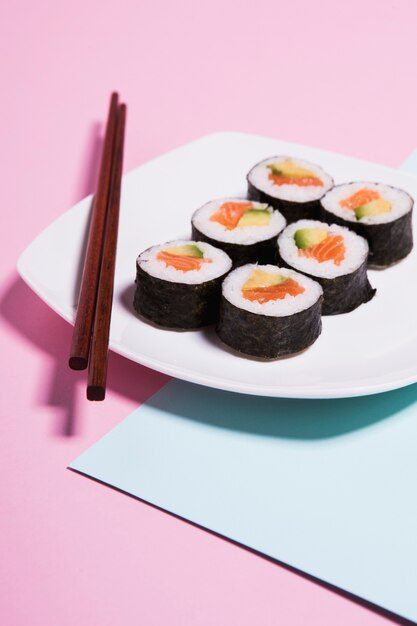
[370, 350]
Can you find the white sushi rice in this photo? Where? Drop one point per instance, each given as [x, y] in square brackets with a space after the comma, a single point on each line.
[356, 250]
[259, 178]
[401, 202]
[243, 236]
[220, 263]
[233, 283]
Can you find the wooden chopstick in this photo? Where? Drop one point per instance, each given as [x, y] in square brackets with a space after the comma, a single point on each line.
[81, 338]
[97, 367]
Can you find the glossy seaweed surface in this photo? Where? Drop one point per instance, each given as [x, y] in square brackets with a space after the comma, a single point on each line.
[177, 305]
[268, 337]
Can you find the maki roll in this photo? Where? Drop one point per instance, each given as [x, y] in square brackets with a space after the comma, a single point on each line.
[269, 312]
[293, 186]
[178, 284]
[380, 213]
[334, 256]
[246, 230]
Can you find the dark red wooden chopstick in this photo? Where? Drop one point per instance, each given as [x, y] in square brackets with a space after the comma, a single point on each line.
[81, 337]
[97, 366]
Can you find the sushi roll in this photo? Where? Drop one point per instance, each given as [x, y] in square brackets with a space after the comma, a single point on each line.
[269, 312]
[380, 213]
[293, 186]
[245, 230]
[334, 256]
[178, 284]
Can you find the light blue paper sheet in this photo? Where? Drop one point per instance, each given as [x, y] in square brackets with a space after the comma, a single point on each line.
[325, 486]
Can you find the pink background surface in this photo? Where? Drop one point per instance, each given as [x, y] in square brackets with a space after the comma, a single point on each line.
[339, 77]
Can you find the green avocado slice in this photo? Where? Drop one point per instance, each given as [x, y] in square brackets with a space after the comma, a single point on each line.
[260, 278]
[375, 207]
[289, 169]
[254, 217]
[186, 250]
[309, 237]
[275, 170]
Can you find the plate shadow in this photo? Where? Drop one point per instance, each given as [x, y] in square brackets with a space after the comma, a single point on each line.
[285, 418]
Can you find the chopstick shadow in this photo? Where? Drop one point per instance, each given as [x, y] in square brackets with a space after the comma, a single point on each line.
[89, 167]
[32, 319]
[87, 184]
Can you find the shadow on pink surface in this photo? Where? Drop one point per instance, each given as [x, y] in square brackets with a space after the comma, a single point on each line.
[31, 318]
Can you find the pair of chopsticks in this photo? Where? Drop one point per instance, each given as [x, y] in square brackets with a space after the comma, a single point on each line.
[90, 337]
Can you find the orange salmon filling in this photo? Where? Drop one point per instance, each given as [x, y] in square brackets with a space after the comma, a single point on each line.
[229, 213]
[330, 249]
[302, 181]
[273, 292]
[181, 261]
[363, 196]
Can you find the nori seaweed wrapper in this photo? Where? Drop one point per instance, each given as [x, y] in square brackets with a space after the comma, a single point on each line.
[268, 337]
[177, 305]
[388, 243]
[341, 294]
[292, 211]
[259, 252]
